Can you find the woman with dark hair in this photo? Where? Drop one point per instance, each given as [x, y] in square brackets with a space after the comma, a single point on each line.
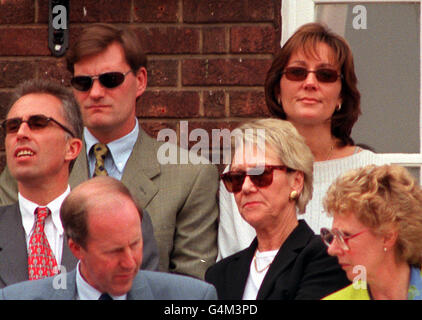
[312, 84]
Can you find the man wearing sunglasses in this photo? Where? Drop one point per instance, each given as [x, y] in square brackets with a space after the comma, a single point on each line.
[43, 130]
[109, 76]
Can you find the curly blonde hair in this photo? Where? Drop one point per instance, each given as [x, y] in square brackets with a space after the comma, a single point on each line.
[383, 198]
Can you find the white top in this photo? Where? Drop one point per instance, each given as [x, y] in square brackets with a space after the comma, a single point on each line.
[235, 234]
[263, 262]
[53, 226]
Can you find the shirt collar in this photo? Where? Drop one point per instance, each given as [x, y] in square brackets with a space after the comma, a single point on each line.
[120, 149]
[88, 292]
[27, 209]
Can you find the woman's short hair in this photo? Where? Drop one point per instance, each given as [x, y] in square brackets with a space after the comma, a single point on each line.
[383, 198]
[96, 37]
[307, 38]
[290, 147]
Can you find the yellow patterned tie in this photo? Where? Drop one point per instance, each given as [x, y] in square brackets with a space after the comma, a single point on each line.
[100, 152]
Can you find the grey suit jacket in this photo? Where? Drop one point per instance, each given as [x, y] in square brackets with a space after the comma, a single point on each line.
[180, 198]
[147, 285]
[14, 254]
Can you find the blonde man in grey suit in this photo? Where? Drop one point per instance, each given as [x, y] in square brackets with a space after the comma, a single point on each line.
[103, 226]
[109, 77]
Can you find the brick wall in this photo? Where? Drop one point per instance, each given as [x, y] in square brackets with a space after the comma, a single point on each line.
[207, 59]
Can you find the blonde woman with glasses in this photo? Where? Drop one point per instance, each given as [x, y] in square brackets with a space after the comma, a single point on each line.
[376, 233]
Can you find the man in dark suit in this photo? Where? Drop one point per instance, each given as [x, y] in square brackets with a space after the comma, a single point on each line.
[110, 75]
[43, 130]
[103, 224]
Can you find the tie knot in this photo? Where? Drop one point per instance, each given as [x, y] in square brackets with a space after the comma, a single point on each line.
[42, 213]
[105, 296]
[100, 150]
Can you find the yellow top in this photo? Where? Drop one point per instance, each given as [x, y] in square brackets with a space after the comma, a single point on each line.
[352, 292]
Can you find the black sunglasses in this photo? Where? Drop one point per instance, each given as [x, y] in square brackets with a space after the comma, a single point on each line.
[299, 74]
[34, 122]
[108, 80]
[260, 177]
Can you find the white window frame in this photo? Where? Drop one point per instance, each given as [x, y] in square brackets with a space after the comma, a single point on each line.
[295, 13]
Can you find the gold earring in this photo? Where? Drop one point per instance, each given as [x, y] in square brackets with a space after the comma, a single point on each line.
[293, 195]
[338, 107]
[279, 100]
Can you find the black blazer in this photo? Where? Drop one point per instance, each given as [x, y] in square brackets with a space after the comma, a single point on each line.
[302, 269]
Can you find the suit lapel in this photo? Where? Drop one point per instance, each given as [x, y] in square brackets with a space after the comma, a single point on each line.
[140, 289]
[64, 291]
[240, 271]
[13, 253]
[285, 256]
[80, 171]
[141, 167]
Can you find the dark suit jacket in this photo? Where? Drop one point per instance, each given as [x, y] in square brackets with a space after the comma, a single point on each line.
[302, 269]
[180, 198]
[14, 253]
[147, 285]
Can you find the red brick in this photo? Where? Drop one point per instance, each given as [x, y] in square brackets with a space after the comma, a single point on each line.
[4, 103]
[200, 11]
[24, 41]
[154, 127]
[156, 11]
[254, 39]
[162, 73]
[214, 40]
[169, 40]
[168, 104]
[54, 69]
[248, 104]
[247, 72]
[92, 11]
[214, 104]
[17, 11]
[14, 72]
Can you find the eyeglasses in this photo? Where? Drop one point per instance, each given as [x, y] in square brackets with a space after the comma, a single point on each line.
[108, 80]
[323, 75]
[260, 177]
[328, 237]
[34, 122]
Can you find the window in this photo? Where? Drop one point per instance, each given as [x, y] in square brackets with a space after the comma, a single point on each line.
[386, 44]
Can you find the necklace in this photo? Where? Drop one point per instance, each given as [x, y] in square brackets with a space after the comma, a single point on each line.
[256, 266]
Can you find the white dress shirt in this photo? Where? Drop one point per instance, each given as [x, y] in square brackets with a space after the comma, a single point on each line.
[87, 292]
[53, 226]
[120, 151]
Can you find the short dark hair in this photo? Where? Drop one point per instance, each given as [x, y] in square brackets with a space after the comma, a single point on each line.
[74, 209]
[96, 37]
[307, 38]
[70, 107]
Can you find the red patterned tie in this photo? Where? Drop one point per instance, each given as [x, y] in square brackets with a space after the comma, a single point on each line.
[41, 261]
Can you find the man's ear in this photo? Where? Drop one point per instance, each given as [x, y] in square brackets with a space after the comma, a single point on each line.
[74, 147]
[75, 248]
[141, 81]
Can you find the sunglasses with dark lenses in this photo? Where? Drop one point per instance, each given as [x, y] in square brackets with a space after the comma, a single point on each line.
[108, 80]
[260, 177]
[300, 74]
[34, 122]
[328, 236]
